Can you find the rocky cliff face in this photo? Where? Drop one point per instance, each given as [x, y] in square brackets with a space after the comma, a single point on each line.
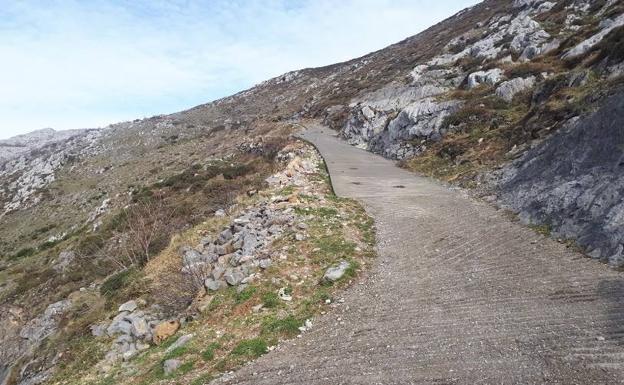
[573, 182]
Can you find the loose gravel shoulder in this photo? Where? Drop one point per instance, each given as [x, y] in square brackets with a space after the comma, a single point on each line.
[459, 295]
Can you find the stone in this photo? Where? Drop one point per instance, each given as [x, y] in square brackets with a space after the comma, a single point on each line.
[217, 272]
[139, 327]
[214, 284]
[233, 276]
[119, 325]
[191, 256]
[300, 237]
[170, 366]
[45, 324]
[180, 342]
[507, 90]
[264, 263]
[164, 330]
[219, 213]
[129, 306]
[281, 293]
[225, 236]
[334, 273]
[99, 329]
[489, 77]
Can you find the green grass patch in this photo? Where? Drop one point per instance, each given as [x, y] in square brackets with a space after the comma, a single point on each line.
[252, 348]
[209, 353]
[270, 300]
[245, 294]
[287, 327]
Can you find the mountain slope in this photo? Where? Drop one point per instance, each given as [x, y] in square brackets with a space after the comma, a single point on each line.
[473, 100]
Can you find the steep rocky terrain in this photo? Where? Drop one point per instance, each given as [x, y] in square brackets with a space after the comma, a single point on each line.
[519, 100]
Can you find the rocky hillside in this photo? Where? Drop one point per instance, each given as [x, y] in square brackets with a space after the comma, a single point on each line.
[519, 100]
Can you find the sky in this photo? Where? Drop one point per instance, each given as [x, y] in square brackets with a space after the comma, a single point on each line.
[71, 64]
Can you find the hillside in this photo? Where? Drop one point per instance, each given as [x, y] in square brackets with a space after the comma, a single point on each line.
[519, 102]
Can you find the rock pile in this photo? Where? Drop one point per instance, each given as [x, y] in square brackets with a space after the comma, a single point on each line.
[233, 257]
[134, 329]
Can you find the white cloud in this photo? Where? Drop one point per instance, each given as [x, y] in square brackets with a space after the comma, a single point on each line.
[70, 64]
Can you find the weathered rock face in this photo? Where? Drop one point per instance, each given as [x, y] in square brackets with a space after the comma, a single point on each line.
[607, 26]
[44, 325]
[30, 161]
[507, 90]
[574, 182]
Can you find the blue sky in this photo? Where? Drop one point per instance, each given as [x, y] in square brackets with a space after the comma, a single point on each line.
[77, 64]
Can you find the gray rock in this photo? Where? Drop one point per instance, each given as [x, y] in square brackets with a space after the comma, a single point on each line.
[99, 329]
[233, 276]
[584, 46]
[119, 325]
[574, 182]
[217, 272]
[129, 306]
[191, 256]
[264, 263]
[139, 327]
[170, 366]
[334, 273]
[214, 284]
[225, 236]
[182, 341]
[45, 324]
[490, 77]
[507, 90]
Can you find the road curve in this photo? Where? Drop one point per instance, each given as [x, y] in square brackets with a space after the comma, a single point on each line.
[459, 295]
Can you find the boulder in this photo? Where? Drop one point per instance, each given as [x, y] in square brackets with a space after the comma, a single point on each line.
[507, 90]
[170, 366]
[214, 284]
[225, 236]
[129, 306]
[120, 325]
[182, 341]
[490, 77]
[233, 276]
[139, 327]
